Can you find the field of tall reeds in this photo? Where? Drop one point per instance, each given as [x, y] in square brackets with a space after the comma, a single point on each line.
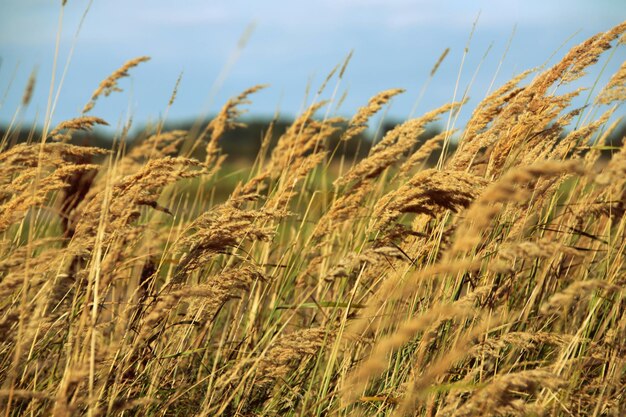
[489, 283]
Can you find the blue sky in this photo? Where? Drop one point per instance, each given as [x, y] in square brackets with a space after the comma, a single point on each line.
[293, 43]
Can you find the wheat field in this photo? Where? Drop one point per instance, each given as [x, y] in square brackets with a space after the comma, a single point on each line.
[491, 283]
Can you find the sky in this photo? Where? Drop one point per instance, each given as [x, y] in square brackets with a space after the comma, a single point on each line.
[290, 45]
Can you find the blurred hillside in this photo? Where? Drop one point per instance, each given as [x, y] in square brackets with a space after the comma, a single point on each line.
[243, 143]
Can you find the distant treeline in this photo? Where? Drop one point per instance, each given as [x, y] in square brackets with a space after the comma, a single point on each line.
[240, 143]
[245, 142]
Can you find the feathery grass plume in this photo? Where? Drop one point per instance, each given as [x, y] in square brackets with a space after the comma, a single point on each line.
[104, 223]
[24, 155]
[79, 123]
[534, 97]
[378, 359]
[224, 121]
[109, 84]
[224, 286]
[433, 337]
[327, 79]
[577, 139]
[527, 138]
[614, 172]
[175, 90]
[615, 90]
[15, 209]
[126, 196]
[424, 151]
[592, 53]
[304, 137]
[23, 165]
[358, 123]
[344, 207]
[561, 301]
[538, 249]
[156, 146]
[287, 148]
[492, 105]
[428, 192]
[355, 261]
[219, 230]
[85, 123]
[576, 60]
[214, 294]
[595, 150]
[196, 310]
[396, 144]
[477, 131]
[345, 64]
[24, 394]
[609, 199]
[443, 56]
[289, 352]
[24, 292]
[300, 149]
[523, 340]
[531, 111]
[281, 197]
[249, 191]
[511, 187]
[14, 257]
[393, 289]
[506, 394]
[30, 87]
[42, 265]
[361, 266]
[544, 144]
[553, 117]
[439, 367]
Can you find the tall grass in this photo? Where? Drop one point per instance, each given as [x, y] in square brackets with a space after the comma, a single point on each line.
[490, 285]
